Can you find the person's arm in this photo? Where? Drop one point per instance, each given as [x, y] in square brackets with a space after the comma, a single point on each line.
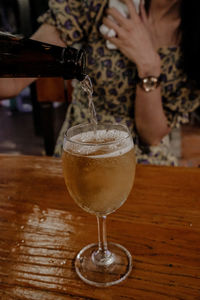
[135, 42]
[150, 118]
[10, 87]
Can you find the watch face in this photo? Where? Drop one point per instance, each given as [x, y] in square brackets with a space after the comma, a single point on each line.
[150, 83]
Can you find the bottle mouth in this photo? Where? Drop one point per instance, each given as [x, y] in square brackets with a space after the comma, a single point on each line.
[81, 77]
[76, 59]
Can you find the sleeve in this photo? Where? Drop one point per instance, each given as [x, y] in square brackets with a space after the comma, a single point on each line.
[179, 98]
[72, 18]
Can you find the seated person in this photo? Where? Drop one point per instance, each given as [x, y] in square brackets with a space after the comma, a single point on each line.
[151, 51]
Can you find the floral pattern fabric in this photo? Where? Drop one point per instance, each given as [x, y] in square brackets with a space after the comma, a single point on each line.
[114, 78]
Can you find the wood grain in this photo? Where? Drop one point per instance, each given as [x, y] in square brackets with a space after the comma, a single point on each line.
[42, 229]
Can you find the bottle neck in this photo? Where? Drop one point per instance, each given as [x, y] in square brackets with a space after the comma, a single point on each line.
[29, 58]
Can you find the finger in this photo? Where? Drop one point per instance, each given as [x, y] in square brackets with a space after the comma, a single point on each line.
[131, 8]
[117, 16]
[114, 40]
[143, 13]
[112, 25]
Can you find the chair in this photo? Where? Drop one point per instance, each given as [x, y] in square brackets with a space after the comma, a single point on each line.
[49, 90]
[46, 90]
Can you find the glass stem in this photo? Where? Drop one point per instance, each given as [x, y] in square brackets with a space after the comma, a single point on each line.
[102, 256]
[102, 236]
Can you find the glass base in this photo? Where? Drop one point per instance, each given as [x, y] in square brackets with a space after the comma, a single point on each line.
[106, 272]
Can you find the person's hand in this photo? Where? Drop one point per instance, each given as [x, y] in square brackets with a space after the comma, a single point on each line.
[133, 38]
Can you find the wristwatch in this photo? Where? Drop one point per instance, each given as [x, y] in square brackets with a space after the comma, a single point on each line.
[149, 83]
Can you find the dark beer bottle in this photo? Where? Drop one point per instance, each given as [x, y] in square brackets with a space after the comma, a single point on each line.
[23, 57]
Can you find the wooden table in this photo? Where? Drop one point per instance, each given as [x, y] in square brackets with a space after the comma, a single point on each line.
[42, 229]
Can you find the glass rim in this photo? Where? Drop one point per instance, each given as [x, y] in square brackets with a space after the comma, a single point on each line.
[99, 144]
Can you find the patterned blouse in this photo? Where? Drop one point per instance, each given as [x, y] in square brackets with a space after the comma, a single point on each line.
[114, 78]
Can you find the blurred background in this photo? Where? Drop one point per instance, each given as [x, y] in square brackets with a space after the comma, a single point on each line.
[30, 125]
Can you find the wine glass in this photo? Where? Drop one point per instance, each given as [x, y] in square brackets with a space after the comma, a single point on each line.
[99, 170]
